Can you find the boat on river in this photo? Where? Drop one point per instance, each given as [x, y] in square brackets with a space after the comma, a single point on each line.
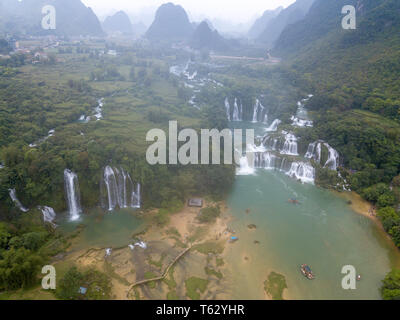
[307, 272]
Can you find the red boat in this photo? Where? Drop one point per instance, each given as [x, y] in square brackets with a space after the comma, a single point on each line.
[306, 271]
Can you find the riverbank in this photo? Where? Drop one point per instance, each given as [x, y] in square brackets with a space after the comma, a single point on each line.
[368, 210]
[128, 264]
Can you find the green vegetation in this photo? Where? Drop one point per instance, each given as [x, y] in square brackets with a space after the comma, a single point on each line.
[210, 247]
[275, 285]
[391, 286]
[150, 275]
[209, 214]
[172, 295]
[169, 280]
[98, 285]
[195, 286]
[212, 272]
[25, 247]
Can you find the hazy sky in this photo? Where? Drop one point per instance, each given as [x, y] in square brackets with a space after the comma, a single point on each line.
[239, 11]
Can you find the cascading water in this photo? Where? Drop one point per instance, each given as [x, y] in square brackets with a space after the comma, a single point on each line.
[290, 145]
[257, 111]
[228, 109]
[314, 152]
[302, 171]
[99, 109]
[301, 118]
[112, 189]
[121, 191]
[237, 112]
[266, 160]
[274, 125]
[71, 186]
[333, 158]
[136, 197]
[48, 214]
[245, 168]
[14, 198]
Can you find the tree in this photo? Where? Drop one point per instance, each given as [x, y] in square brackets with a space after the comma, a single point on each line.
[97, 284]
[389, 218]
[19, 268]
[391, 286]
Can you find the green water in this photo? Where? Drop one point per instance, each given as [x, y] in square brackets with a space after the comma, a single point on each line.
[104, 228]
[322, 231]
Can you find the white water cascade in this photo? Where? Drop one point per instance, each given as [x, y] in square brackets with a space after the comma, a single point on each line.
[245, 168]
[302, 171]
[290, 145]
[14, 198]
[301, 118]
[237, 113]
[258, 110]
[99, 109]
[228, 109]
[274, 125]
[49, 214]
[269, 161]
[121, 191]
[71, 186]
[314, 152]
[333, 158]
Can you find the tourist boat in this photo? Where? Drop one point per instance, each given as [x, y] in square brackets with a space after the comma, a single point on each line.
[306, 271]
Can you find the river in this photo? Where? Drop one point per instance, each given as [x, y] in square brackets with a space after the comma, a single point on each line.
[322, 231]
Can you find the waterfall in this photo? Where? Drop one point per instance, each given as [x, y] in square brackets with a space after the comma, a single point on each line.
[290, 145]
[112, 189]
[274, 125]
[228, 109]
[270, 143]
[245, 169]
[71, 186]
[266, 160]
[48, 214]
[121, 191]
[333, 158]
[257, 112]
[13, 196]
[314, 151]
[236, 112]
[297, 122]
[302, 171]
[301, 118]
[99, 109]
[136, 197]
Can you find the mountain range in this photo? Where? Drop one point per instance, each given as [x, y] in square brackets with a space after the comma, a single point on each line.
[261, 23]
[276, 25]
[119, 22]
[349, 68]
[171, 23]
[206, 38]
[25, 17]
